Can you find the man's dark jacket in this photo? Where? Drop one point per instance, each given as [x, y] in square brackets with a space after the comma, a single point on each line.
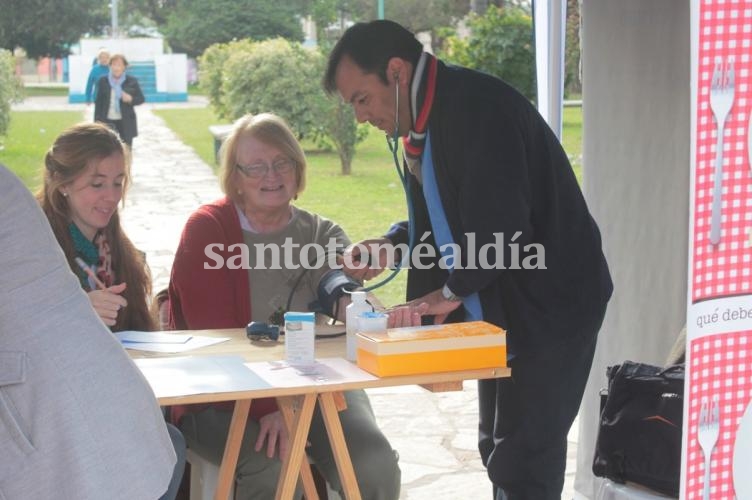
[500, 169]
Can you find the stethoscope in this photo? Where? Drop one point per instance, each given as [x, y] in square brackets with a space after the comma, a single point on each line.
[393, 143]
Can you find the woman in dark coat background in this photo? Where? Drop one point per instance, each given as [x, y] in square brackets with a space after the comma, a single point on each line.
[117, 93]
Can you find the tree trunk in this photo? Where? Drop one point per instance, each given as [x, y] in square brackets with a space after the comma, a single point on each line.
[346, 161]
[479, 6]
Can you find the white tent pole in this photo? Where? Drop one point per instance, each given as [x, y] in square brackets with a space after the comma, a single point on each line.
[550, 28]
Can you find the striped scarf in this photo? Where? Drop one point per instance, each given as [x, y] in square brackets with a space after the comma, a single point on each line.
[422, 92]
[96, 254]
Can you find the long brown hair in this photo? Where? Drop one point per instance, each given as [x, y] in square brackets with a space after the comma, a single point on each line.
[72, 153]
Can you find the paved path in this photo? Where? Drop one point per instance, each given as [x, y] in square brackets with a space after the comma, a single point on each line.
[435, 434]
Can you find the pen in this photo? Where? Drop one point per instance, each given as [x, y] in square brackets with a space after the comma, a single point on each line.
[90, 273]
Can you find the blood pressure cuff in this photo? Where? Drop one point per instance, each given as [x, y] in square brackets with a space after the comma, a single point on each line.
[331, 287]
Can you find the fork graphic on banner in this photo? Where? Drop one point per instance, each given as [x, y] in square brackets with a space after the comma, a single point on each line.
[708, 429]
[721, 100]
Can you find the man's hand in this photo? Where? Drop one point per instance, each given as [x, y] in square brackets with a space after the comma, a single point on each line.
[406, 314]
[126, 97]
[366, 259]
[273, 432]
[437, 305]
[108, 302]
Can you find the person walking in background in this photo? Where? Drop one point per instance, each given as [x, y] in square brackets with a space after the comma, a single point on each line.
[117, 94]
[482, 163]
[99, 69]
[77, 418]
[85, 178]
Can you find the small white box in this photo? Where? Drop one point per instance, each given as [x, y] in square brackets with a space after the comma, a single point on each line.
[299, 338]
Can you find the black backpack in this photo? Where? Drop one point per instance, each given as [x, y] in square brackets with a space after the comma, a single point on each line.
[640, 429]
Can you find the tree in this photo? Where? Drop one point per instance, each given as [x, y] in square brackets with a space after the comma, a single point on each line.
[45, 29]
[10, 88]
[155, 10]
[501, 44]
[275, 76]
[194, 25]
[211, 73]
[283, 78]
[415, 15]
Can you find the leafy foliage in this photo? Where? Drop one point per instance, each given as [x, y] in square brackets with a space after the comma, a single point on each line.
[280, 77]
[275, 76]
[42, 28]
[572, 83]
[194, 25]
[415, 15]
[211, 73]
[10, 88]
[501, 44]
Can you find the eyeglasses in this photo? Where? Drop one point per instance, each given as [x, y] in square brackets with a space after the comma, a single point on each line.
[256, 170]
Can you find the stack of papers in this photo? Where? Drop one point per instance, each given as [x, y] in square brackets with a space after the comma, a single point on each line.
[164, 342]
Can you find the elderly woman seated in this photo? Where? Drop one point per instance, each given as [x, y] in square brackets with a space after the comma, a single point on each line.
[252, 256]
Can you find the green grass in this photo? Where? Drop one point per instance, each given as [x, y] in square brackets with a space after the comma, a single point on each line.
[195, 89]
[572, 137]
[29, 91]
[30, 135]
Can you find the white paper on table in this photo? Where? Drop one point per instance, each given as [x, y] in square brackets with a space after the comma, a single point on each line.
[158, 345]
[186, 375]
[152, 337]
[325, 371]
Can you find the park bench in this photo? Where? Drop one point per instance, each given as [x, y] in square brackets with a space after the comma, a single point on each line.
[219, 132]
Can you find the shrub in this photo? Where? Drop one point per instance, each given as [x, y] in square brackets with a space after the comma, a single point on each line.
[500, 44]
[211, 74]
[279, 77]
[10, 88]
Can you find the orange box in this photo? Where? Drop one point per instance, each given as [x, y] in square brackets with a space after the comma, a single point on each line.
[433, 348]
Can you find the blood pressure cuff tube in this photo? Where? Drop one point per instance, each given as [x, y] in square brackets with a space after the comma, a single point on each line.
[332, 286]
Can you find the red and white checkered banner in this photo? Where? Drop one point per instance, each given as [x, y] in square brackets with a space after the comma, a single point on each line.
[717, 414]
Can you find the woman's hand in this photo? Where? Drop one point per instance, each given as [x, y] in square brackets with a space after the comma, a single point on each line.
[108, 302]
[272, 430]
[126, 97]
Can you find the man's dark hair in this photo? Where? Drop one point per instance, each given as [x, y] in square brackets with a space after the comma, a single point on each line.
[370, 46]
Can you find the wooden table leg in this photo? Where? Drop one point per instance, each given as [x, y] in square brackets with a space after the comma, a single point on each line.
[288, 477]
[339, 446]
[309, 486]
[232, 449]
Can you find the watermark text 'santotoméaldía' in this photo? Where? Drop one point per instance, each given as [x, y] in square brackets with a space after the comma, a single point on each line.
[493, 255]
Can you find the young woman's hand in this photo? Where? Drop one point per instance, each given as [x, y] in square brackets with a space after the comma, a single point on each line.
[108, 302]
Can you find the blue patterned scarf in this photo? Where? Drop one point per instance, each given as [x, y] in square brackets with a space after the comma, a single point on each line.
[117, 86]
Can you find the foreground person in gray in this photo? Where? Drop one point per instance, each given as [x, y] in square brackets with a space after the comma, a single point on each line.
[77, 419]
